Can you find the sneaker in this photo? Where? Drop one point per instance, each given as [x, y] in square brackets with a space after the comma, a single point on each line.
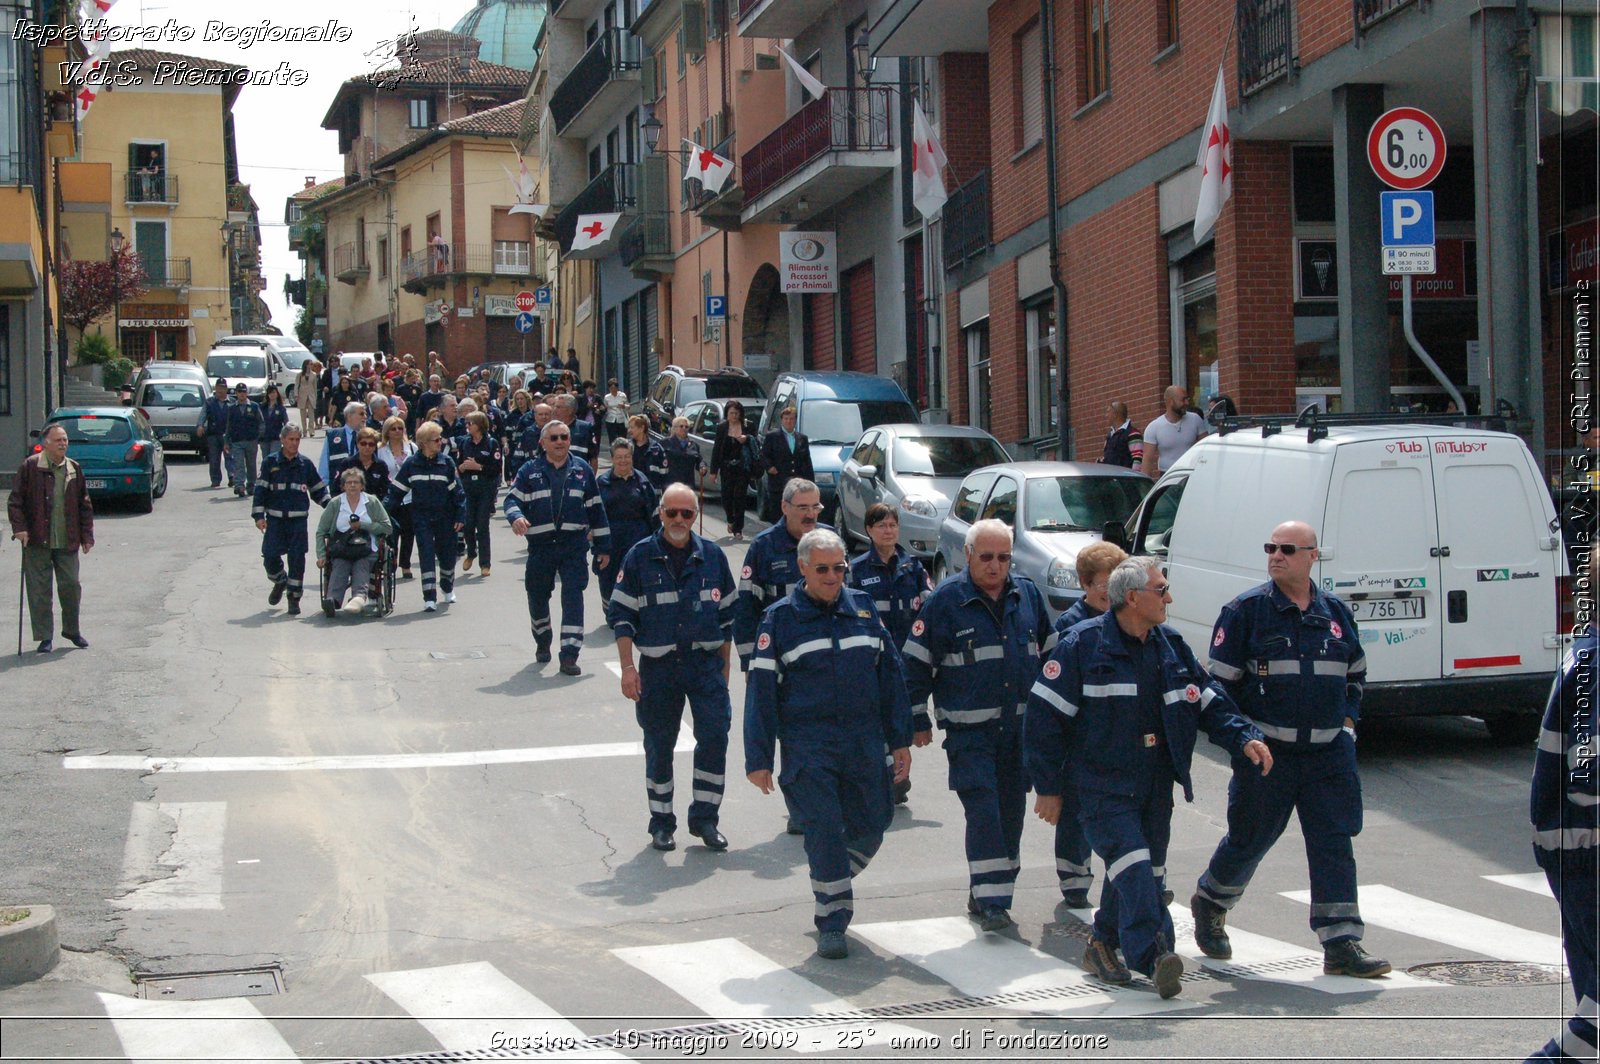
[450, 596]
[356, 604]
[832, 945]
[1210, 928]
[1101, 961]
[429, 607]
[1167, 974]
[329, 607]
[1075, 899]
[1348, 958]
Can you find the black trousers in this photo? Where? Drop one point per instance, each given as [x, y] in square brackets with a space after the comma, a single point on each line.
[481, 493]
[735, 487]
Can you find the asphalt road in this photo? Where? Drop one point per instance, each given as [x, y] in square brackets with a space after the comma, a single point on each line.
[441, 847]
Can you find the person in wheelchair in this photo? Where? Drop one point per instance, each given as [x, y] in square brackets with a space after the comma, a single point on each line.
[349, 535]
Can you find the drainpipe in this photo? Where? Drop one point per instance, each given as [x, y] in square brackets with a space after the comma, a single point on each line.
[1047, 35]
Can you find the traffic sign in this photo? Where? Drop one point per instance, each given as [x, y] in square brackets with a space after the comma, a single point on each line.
[524, 300]
[1407, 218]
[1410, 260]
[525, 322]
[542, 296]
[716, 309]
[1406, 148]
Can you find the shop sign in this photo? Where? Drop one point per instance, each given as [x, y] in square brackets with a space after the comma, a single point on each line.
[500, 306]
[808, 261]
[1572, 254]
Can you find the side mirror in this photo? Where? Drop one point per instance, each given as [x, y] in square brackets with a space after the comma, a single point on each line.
[1115, 534]
[34, 434]
[868, 472]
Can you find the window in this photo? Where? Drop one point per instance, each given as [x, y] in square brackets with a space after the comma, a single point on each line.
[383, 256]
[965, 508]
[976, 338]
[1096, 64]
[1166, 24]
[1002, 504]
[1154, 538]
[1194, 325]
[945, 456]
[361, 241]
[150, 242]
[1082, 504]
[512, 256]
[1043, 393]
[419, 112]
[1028, 87]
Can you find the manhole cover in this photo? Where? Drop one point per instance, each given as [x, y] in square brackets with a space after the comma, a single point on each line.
[1489, 973]
[201, 986]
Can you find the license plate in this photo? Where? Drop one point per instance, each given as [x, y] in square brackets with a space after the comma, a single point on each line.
[1389, 609]
[96, 485]
[177, 437]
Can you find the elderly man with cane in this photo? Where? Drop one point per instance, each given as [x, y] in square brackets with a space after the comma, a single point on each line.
[52, 517]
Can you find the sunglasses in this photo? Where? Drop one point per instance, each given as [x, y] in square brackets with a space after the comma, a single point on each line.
[990, 556]
[674, 512]
[553, 437]
[367, 443]
[1288, 549]
[1157, 589]
[823, 570]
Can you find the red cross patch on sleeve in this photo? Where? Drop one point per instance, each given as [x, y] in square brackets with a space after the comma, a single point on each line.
[1219, 637]
[765, 641]
[918, 628]
[1052, 669]
[716, 594]
[745, 572]
[1191, 693]
[1338, 633]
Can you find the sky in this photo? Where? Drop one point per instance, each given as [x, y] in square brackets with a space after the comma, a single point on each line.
[278, 127]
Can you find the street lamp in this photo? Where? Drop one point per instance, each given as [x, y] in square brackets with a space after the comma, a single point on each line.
[865, 62]
[117, 243]
[651, 128]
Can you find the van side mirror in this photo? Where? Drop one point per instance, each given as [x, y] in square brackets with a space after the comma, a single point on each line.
[34, 434]
[868, 472]
[1115, 535]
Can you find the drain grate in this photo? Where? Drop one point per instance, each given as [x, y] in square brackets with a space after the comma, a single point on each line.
[1489, 973]
[205, 986]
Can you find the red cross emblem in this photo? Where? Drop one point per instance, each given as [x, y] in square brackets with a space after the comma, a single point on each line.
[1191, 693]
[593, 229]
[716, 594]
[765, 641]
[918, 628]
[708, 159]
[1338, 633]
[1217, 641]
[85, 96]
[1052, 669]
[745, 572]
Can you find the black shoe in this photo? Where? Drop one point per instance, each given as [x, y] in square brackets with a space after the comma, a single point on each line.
[275, 596]
[328, 608]
[1210, 928]
[1075, 899]
[794, 827]
[405, 574]
[1168, 974]
[542, 654]
[46, 646]
[1166, 897]
[989, 917]
[709, 835]
[570, 668]
[1348, 958]
[902, 791]
[832, 946]
[294, 605]
[78, 641]
[661, 839]
[1102, 962]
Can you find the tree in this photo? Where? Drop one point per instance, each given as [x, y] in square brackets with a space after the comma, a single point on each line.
[91, 288]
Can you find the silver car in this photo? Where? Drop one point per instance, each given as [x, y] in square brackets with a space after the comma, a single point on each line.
[1055, 509]
[704, 417]
[175, 410]
[916, 469]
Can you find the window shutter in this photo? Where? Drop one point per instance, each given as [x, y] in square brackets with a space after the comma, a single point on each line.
[694, 28]
[1030, 85]
[716, 17]
[653, 184]
[647, 74]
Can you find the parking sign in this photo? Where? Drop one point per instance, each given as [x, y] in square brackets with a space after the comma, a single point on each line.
[716, 308]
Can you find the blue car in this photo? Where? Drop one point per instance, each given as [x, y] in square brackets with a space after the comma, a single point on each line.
[119, 453]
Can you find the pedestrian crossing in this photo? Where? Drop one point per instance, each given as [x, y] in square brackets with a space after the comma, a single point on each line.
[728, 988]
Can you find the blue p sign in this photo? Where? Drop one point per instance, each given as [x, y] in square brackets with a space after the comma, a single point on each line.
[1407, 218]
[716, 308]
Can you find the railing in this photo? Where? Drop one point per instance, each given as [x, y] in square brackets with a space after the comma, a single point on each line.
[648, 236]
[1266, 43]
[436, 263]
[614, 54]
[1368, 12]
[165, 273]
[151, 188]
[616, 189]
[843, 120]
[348, 260]
[966, 222]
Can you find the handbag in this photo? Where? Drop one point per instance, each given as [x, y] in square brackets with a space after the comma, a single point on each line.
[351, 545]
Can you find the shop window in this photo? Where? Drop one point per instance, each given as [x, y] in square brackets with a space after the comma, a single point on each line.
[1043, 391]
[976, 339]
[1194, 325]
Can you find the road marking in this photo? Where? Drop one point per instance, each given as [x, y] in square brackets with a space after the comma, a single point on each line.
[1272, 961]
[1396, 910]
[725, 978]
[1532, 882]
[224, 1029]
[465, 1005]
[338, 762]
[980, 965]
[184, 872]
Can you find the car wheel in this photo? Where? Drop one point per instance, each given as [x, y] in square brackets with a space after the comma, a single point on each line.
[1513, 729]
[161, 487]
[143, 504]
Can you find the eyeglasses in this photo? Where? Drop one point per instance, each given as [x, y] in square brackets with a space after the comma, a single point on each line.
[1288, 549]
[806, 507]
[1163, 590]
[823, 570]
[989, 556]
[674, 512]
[561, 436]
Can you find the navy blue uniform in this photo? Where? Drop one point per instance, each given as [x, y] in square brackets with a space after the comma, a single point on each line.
[683, 460]
[1297, 675]
[1564, 806]
[771, 568]
[978, 658]
[246, 425]
[562, 507]
[896, 587]
[1126, 714]
[517, 447]
[375, 476]
[438, 504]
[283, 497]
[216, 431]
[650, 458]
[482, 487]
[277, 416]
[681, 623]
[826, 683]
[631, 514]
[1072, 847]
[338, 447]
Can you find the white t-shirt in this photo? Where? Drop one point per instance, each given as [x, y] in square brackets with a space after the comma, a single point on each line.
[1172, 439]
[616, 407]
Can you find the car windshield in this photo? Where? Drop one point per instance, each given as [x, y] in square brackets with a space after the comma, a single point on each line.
[732, 386]
[92, 429]
[945, 456]
[241, 365]
[841, 421]
[1082, 503]
[173, 393]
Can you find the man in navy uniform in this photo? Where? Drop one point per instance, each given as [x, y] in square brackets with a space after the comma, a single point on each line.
[288, 485]
[215, 430]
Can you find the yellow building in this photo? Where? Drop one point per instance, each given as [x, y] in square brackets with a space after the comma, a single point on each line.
[177, 201]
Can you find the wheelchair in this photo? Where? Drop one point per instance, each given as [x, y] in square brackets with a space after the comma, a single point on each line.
[381, 587]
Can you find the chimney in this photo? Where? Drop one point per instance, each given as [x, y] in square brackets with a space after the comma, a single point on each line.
[310, 181]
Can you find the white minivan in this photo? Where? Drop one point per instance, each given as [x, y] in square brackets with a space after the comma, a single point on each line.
[1442, 540]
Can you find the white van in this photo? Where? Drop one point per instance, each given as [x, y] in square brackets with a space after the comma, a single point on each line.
[1442, 540]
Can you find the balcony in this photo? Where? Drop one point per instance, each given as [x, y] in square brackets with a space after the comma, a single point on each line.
[646, 246]
[433, 267]
[966, 222]
[780, 18]
[349, 262]
[606, 78]
[159, 189]
[1266, 43]
[166, 273]
[1369, 12]
[616, 189]
[828, 150]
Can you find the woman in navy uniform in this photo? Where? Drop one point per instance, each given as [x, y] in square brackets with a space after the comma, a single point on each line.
[374, 473]
[479, 465]
[630, 504]
[438, 511]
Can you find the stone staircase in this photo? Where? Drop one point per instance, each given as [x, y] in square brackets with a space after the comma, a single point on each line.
[83, 393]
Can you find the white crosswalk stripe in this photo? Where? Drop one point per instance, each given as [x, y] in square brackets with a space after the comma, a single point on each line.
[1532, 882]
[196, 1032]
[1383, 906]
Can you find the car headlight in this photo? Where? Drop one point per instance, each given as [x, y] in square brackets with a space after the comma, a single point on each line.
[1063, 575]
[916, 504]
[825, 479]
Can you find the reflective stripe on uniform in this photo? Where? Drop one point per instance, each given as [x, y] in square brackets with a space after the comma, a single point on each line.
[852, 641]
[623, 599]
[1329, 668]
[810, 646]
[1346, 929]
[995, 864]
[1127, 861]
[831, 886]
[967, 716]
[1110, 690]
[918, 651]
[978, 654]
[1224, 670]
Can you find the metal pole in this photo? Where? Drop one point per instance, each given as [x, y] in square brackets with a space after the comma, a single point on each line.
[1416, 345]
[22, 576]
[1057, 285]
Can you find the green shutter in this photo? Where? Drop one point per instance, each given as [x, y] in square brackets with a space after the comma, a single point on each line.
[653, 184]
[647, 74]
[694, 28]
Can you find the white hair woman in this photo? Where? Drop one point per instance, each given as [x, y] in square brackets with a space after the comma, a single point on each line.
[348, 534]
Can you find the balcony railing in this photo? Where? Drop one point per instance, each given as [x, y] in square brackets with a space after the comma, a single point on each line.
[1266, 43]
[434, 264]
[151, 188]
[966, 222]
[747, 6]
[843, 120]
[349, 261]
[616, 189]
[647, 236]
[165, 273]
[612, 57]
[1368, 12]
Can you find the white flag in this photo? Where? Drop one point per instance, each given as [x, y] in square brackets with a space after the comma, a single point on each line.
[709, 168]
[927, 165]
[523, 188]
[593, 230]
[1216, 163]
[98, 48]
[802, 75]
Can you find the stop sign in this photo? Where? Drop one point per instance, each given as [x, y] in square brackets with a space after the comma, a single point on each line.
[524, 300]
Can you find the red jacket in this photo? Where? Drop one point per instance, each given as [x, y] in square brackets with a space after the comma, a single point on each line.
[29, 507]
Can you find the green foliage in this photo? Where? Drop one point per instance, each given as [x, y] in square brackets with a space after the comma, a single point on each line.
[117, 373]
[303, 326]
[95, 349]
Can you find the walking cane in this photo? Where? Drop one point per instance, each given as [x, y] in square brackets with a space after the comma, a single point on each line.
[22, 574]
[699, 504]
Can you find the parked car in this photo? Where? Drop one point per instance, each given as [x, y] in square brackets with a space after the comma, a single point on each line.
[504, 371]
[675, 388]
[916, 469]
[833, 410]
[175, 410]
[170, 370]
[350, 361]
[120, 455]
[255, 367]
[291, 355]
[1441, 538]
[704, 417]
[1055, 509]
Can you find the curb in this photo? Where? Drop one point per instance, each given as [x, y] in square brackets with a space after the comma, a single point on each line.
[29, 948]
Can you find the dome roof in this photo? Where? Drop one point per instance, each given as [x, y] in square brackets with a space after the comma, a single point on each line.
[507, 29]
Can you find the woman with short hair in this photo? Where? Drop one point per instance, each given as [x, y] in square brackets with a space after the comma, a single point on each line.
[479, 465]
[615, 402]
[348, 535]
[648, 457]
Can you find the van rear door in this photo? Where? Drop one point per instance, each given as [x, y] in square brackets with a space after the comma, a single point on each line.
[1499, 566]
[1380, 541]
